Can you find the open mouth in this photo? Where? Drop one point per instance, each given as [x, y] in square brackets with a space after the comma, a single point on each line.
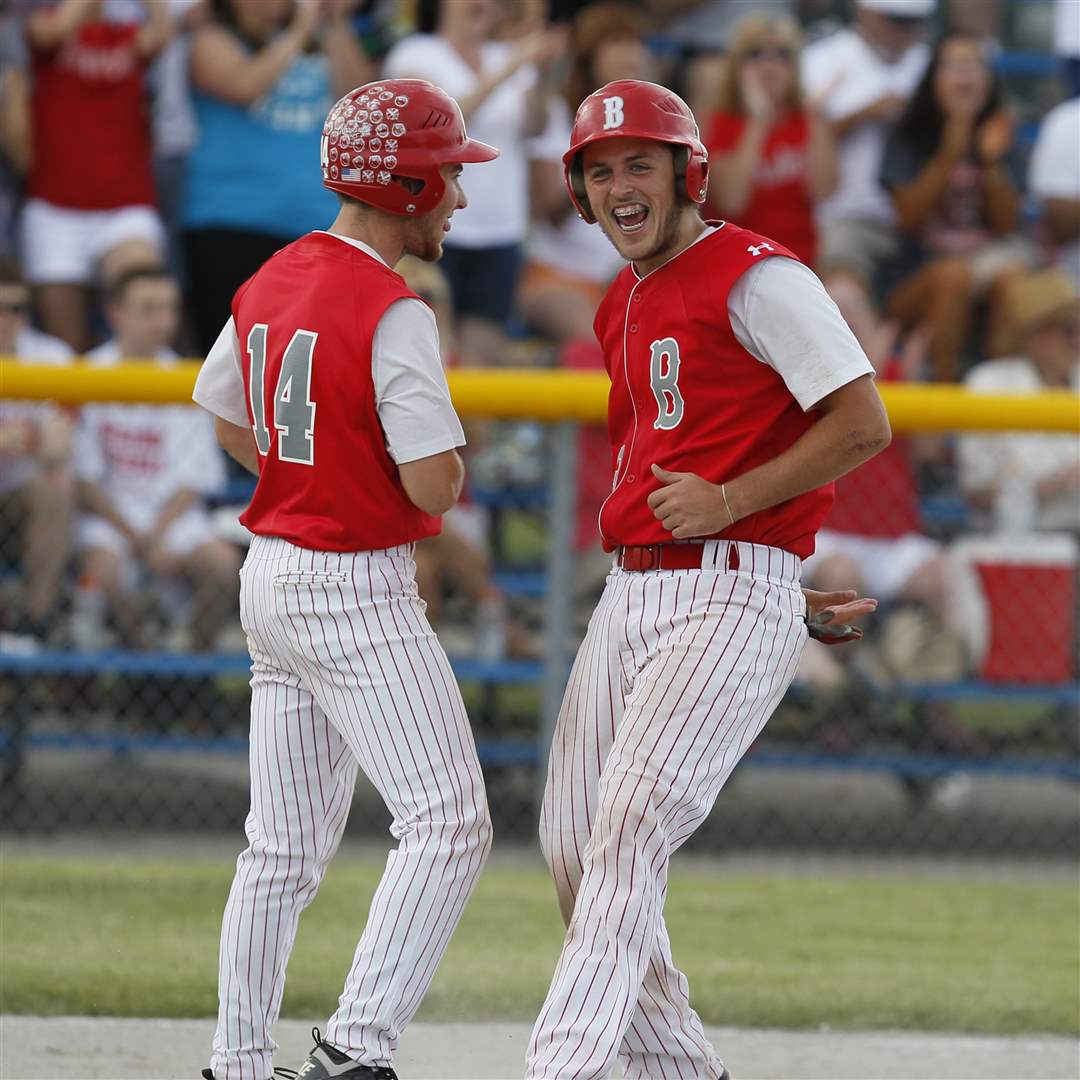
[631, 219]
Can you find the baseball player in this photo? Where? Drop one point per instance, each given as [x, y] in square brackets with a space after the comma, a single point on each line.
[738, 395]
[327, 382]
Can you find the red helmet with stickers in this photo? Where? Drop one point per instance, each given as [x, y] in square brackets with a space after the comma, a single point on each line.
[630, 108]
[392, 129]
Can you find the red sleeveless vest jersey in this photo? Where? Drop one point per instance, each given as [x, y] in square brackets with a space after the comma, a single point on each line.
[305, 323]
[688, 397]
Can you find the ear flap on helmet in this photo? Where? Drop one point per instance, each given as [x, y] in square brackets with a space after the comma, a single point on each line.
[691, 173]
[577, 188]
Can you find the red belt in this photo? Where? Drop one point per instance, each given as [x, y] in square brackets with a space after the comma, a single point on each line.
[661, 556]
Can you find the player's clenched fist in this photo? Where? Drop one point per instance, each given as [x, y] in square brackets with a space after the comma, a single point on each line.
[688, 505]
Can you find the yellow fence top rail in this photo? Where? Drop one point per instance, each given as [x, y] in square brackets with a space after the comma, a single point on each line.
[548, 395]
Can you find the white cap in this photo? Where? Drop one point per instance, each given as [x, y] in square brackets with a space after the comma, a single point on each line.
[910, 9]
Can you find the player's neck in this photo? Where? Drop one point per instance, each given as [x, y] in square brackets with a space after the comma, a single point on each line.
[690, 229]
[380, 232]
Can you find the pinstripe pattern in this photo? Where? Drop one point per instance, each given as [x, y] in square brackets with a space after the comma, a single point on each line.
[346, 675]
[677, 675]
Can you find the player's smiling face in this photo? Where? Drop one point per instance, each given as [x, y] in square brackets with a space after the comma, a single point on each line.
[424, 236]
[630, 184]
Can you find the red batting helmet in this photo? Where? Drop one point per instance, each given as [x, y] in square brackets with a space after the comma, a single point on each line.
[635, 109]
[394, 128]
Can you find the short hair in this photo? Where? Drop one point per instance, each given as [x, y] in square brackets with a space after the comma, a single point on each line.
[118, 287]
[411, 184]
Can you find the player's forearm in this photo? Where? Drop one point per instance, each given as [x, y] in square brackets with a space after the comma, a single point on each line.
[839, 442]
[238, 443]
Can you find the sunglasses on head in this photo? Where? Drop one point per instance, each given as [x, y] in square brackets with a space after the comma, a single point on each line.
[776, 53]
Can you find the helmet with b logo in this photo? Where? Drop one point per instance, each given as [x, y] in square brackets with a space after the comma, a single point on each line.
[395, 129]
[629, 108]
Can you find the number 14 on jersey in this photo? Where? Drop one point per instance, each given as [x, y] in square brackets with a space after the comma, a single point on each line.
[294, 411]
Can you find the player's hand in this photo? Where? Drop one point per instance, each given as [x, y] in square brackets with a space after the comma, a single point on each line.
[688, 505]
[829, 615]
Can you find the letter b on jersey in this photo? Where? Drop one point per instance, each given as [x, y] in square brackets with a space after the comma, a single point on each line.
[664, 377]
[613, 112]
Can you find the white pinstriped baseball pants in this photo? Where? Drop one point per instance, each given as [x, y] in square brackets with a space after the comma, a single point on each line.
[677, 675]
[346, 673]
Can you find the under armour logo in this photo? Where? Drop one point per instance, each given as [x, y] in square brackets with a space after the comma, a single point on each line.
[757, 249]
[613, 112]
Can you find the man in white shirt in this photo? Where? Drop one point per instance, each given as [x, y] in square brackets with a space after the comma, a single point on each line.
[1054, 176]
[36, 487]
[1030, 480]
[861, 79]
[143, 472]
[503, 94]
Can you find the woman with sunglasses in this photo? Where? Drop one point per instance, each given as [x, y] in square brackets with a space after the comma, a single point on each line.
[772, 157]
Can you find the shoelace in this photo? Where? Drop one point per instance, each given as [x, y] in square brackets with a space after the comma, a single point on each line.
[378, 1072]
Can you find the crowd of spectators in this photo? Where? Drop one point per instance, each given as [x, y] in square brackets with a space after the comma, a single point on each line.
[154, 152]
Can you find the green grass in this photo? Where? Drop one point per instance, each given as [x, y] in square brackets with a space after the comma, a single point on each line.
[137, 937]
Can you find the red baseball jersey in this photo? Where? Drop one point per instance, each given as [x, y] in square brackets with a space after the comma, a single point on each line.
[305, 323]
[688, 397]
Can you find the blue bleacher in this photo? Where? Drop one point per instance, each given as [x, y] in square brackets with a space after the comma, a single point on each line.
[503, 753]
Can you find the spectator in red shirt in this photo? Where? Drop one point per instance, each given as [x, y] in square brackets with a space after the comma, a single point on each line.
[90, 188]
[771, 156]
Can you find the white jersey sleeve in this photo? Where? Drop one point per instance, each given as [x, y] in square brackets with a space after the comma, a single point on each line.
[411, 395]
[220, 386]
[782, 315]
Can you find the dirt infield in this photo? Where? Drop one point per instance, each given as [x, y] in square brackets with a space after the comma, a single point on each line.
[86, 1048]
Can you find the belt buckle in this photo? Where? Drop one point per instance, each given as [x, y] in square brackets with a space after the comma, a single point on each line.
[641, 557]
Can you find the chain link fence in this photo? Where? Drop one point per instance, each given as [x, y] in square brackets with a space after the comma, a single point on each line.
[953, 726]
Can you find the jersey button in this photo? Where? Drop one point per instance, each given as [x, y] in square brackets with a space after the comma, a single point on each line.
[637, 297]
[633, 329]
[631, 478]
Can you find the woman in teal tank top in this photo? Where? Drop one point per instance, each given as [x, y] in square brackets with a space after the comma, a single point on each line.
[263, 73]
